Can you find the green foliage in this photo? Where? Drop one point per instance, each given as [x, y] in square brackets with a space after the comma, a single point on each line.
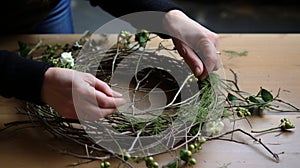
[142, 37]
[105, 164]
[231, 54]
[232, 98]
[52, 53]
[174, 164]
[150, 163]
[23, 49]
[242, 112]
[266, 95]
[254, 100]
[185, 155]
[255, 104]
[286, 124]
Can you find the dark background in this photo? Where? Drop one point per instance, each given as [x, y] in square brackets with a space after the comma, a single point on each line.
[221, 16]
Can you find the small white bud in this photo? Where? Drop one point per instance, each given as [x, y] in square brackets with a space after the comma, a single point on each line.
[66, 57]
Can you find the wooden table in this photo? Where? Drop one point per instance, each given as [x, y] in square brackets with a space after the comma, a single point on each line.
[273, 62]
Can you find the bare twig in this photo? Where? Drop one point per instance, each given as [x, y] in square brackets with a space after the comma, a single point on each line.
[276, 157]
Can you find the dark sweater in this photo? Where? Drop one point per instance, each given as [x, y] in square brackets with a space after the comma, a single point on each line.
[20, 77]
[23, 78]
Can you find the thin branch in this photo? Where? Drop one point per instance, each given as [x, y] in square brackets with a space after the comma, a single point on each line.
[251, 136]
[289, 104]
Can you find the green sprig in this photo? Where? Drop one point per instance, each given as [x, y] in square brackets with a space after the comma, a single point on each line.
[285, 125]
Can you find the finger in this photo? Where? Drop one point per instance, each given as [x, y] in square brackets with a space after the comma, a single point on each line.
[116, 94]
[195, 63]
[190, 57]
[105, 112]
[97, 112]
[208, 53]
[103, 87]
[94, 113]
[105, 101]
[204, 75]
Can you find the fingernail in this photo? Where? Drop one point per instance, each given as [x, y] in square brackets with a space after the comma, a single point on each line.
[116, 94]
[197, 72]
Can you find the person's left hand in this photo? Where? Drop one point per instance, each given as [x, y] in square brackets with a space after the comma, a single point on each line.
[79, 95]
[195, 43]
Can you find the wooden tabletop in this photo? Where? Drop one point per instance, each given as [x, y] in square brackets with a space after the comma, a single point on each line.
[272, 62]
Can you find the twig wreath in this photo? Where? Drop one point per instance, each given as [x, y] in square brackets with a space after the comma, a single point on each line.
[191, 114]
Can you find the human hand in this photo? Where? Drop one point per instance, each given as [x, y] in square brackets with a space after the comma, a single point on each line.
[80, 95]
[189, 38]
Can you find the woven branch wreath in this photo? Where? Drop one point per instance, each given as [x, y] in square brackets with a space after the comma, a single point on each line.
[141, 127]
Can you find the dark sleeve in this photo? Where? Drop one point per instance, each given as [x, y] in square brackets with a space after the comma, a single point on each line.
[148, 21]
[120, 8]
[20, 77]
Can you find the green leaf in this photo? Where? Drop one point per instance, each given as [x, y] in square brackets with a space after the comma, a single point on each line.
[183, 154]
[22, 45]
[231, 54]
[142, 37]
[266, 95]
[23, 49]
[231, 97]
[253, 99]
[173, 164]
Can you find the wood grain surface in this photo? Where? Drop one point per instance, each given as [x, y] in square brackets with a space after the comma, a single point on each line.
[273, 62]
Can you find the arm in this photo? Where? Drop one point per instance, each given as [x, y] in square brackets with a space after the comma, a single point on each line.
[120, 8]
[20, 77]
[40, 82]
[195, 43]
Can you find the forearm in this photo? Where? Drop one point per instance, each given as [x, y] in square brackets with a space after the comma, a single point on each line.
[120, 8]
[20, 77]
[142, 14]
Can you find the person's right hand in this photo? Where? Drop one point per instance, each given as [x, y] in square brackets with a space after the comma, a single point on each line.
[79, 95]
[195, 43]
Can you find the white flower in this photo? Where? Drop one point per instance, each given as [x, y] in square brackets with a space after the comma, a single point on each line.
[66, 57]
[133, 47]
[213, 128]
[125, 34]
[141, 48]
